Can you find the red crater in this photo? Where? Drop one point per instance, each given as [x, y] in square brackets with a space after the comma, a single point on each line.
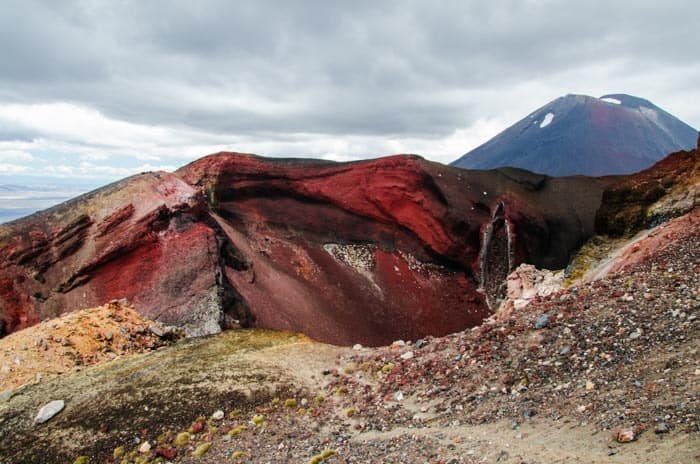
[365, 252]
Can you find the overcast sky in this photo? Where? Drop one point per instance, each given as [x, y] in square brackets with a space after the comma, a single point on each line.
[96, 90]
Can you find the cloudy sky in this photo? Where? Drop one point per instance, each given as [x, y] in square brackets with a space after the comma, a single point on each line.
[95, 90]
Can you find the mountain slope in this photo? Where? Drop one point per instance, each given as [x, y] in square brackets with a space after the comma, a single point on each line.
[578, 134]
[366, 252]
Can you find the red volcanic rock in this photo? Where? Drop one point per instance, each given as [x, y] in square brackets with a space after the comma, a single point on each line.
[391, 248]
[364, 252]
[143, 239]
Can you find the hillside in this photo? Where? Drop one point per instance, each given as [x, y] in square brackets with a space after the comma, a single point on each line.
[603, 367]
[604, 371]
[364, 252]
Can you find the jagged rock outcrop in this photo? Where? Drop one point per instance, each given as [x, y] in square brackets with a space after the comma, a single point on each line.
[666, 190]
[145, 239]
[365, 252]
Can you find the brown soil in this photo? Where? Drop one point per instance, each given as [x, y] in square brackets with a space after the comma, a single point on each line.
[73, 342]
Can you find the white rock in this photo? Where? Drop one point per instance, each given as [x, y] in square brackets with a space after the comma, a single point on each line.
[357, 346]
[398, 396]
[48, 411]
[527, 282]
[145, 447]
[407, 355]
[218, 415]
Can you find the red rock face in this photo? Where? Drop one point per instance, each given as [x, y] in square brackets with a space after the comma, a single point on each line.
[130, 240]
[365, 252]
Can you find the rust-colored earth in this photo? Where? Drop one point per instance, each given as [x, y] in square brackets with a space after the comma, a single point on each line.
[365, 252]
[72, 342]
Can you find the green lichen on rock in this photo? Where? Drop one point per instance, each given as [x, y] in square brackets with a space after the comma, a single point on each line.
[589, 255]
[118, 452]
[201, 450]
[290, 403]
[182, 439]
[237, 430]
[319, 458]
[237, 455]
[82, 460]
[388, 368]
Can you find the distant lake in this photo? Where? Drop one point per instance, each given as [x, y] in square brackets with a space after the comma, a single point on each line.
[17, 201]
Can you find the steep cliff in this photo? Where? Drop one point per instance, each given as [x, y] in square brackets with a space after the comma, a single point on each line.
[365, 252]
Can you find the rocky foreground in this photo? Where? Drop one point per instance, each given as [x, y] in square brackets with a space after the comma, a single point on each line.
[596, 363]
[602, 371]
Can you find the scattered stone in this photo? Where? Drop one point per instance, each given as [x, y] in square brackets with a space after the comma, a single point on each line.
[542, 321]
[48, 411]
[357, 347]
[6, 395]
[622, 435]
[661, 427]
[197, 426]
[218, 415]
[145, 447]
[407, 355]
[502, 456]
[398, 396]
[167, 453]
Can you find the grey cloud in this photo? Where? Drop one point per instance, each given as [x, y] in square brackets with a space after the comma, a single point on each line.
[410, 68]
[16, 133]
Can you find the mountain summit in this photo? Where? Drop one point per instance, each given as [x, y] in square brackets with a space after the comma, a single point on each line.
[579, 134]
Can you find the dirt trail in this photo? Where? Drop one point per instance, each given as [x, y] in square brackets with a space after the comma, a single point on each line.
[545, 441]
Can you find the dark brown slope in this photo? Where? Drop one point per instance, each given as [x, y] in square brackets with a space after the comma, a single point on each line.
[666, 190]
[360, 252]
